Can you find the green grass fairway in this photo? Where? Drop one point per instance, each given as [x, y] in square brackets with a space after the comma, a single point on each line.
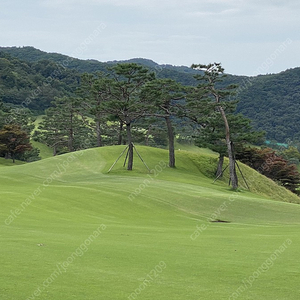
[70, 230]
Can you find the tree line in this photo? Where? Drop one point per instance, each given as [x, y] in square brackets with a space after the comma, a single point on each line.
[129, 103]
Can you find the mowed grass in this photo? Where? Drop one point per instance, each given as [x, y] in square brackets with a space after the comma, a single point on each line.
[8, 162]
[45, 151]
[70, 230]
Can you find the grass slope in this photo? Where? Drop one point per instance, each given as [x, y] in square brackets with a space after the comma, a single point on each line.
[8, 162]
[70, 230]
[45, 151]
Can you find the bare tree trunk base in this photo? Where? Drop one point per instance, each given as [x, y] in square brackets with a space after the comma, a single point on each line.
[130, 157]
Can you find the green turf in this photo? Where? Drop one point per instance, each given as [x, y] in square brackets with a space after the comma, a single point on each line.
[154, 239]
[8, 162]
[45, 151]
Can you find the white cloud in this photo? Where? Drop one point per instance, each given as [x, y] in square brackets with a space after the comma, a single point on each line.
[225, 12]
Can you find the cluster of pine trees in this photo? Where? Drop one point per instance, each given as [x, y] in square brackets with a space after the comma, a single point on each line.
[128, 103]
[112, 107]
[270, 101]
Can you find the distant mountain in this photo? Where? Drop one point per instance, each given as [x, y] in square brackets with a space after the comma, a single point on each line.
[32, 54]
[182, 74]
[271, 101]
[34, 84]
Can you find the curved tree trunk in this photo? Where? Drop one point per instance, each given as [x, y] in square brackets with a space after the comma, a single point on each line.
[171, 143]
[220, 166]
[232, 169]
[130, 149]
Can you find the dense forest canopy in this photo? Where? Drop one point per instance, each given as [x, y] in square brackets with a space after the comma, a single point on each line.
[34, 85]
[273, 103]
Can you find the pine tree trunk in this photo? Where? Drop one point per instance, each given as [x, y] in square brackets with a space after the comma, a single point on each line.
[130, 148]
[99, 137]
[171, 143]
[220, 166]
[232, 169]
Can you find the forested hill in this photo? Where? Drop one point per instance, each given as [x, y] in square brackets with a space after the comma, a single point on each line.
[182, 74]
[271, 101]
[31, 84]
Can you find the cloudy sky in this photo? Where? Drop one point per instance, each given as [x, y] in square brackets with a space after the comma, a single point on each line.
[248, 37]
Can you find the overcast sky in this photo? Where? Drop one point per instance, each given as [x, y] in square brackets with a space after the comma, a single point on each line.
[248, 37]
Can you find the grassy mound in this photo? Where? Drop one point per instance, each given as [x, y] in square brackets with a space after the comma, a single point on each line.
[70, 230]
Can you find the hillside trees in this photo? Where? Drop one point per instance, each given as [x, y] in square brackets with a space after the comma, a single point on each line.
[50, 132]
[20, 116]
[270, 101]
[291, 154]
[269, 163]
[61, 126]
[3, 114]
[14, 140]
[66, 115]
[102, 97]
[94, 90]
[34, 85]
[212, 135]
[124, 95]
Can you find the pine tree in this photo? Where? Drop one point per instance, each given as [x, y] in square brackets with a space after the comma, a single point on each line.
[211, 76]
[62, 127]
[124, 101]
[162, 97]
[212, 135]
[94, 90]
